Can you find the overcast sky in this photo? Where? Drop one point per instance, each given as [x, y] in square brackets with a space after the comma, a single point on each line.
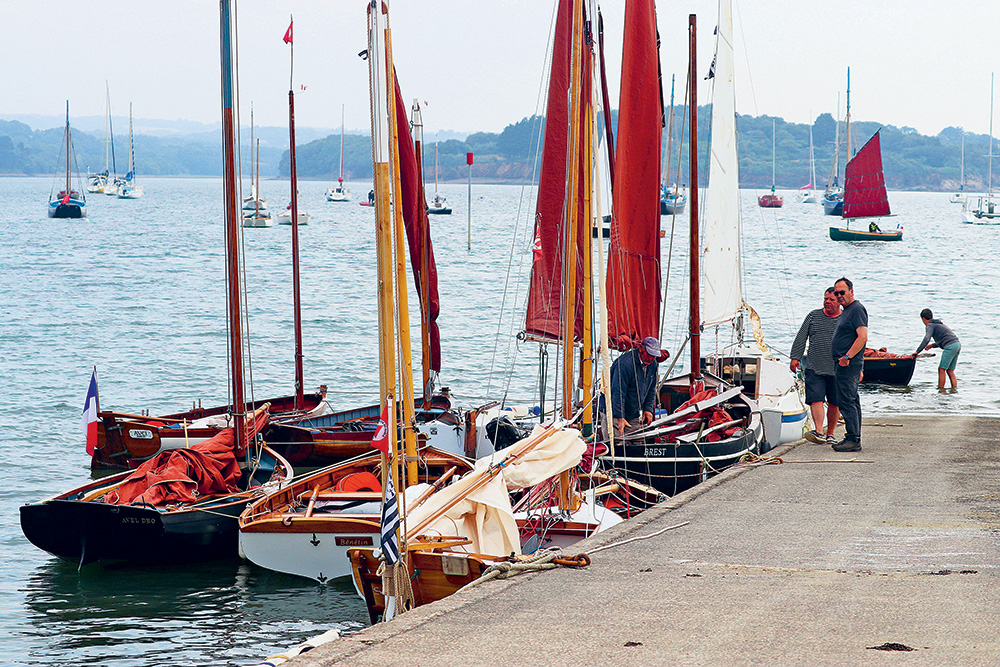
[479, 64]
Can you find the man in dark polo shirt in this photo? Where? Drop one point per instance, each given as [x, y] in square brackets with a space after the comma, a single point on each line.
[848, 351]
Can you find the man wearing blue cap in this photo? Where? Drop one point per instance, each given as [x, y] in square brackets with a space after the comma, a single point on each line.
[633, 386]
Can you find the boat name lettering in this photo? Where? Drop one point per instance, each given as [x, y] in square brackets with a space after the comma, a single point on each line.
[138, 520]
[354, 541]
[656, 451]
[140, 434]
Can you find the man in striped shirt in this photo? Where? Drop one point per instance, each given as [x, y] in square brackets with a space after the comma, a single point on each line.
[820, 375]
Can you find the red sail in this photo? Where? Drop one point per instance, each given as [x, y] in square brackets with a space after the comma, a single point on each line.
[864, 184]
[418, 230]
[545, 294]
[633, 282]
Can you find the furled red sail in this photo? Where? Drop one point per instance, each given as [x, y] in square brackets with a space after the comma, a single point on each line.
[418, 230]
[545, 297]
[633, 282]
[864, 184]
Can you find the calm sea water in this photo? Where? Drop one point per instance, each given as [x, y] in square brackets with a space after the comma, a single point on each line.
[138, 291]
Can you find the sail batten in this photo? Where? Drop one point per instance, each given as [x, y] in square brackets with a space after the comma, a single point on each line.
[864, 183]
[633, 281]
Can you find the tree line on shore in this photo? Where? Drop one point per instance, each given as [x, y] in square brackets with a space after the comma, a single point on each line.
[912, 161]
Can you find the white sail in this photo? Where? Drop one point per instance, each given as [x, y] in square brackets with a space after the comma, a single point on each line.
[720, 261]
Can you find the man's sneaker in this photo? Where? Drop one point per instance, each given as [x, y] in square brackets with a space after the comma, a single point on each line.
[831, 439]
[846, 445]
[815, 437]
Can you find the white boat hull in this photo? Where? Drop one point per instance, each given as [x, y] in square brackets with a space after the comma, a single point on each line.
[131, 192]
[320, 557]
[287, 219]
[809, 197]
[258, 221]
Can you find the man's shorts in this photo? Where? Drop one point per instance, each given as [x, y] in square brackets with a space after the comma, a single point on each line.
[821, 388]
[949, 356]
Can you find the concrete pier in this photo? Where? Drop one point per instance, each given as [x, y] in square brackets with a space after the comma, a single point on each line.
[812, 561]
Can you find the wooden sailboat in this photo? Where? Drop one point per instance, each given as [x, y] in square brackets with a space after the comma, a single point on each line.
[292, 215]
[771, 200]
[340, 193]
[129, 189]
[68, 202]
[865, 196]
[184, 505]
[564, 201]
[710, 424]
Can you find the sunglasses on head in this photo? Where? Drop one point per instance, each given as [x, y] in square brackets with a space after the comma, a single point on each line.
[839, 292]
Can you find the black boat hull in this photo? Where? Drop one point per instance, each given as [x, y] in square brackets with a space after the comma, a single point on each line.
[892, 371]
[675, 467]
[84, 532]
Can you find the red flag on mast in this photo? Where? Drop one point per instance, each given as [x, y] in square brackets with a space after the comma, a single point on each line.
[288, 34]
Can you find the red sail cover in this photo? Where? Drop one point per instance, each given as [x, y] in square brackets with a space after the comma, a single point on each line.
[633, 282]
[864, 184]
[418, 229]
[545, 296]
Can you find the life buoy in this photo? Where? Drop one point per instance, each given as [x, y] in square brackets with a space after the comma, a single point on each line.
[359, 481]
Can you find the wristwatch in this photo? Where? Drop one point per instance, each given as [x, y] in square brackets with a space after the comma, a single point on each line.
[847, 356]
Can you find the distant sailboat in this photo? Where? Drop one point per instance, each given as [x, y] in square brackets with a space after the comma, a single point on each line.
[771, 200]
[259, 216]
[114, 181]
[97, 182]
[984, 209]
[128, 189]
[833, 198]
[806, 193]
[291, 215]
[254, 202]
[68, 203]
[959, 197]
[340, 193]
[439, 204]
[865, 196]
[672, 201]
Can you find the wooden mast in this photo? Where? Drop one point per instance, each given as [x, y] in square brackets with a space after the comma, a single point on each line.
[296, 296]
[693, 292]
[425, 284]
[587, 161]
[68, 184]
[570, 210]
[232, 227]
[399, 264]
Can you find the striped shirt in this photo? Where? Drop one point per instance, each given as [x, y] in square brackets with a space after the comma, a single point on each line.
[817, 329]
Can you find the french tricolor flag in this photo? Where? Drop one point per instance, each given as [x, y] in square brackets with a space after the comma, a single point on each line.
[90, 408]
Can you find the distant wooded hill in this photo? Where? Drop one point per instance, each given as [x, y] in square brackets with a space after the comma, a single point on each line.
[912, 161]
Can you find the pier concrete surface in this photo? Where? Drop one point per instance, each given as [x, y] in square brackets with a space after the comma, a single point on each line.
[816, 560]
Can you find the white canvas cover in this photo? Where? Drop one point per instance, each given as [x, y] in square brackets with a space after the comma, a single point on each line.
[720, 260]
[482, 512]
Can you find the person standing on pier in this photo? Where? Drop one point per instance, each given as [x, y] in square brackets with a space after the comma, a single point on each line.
[944, 338]
[820, 369]
[847, 349]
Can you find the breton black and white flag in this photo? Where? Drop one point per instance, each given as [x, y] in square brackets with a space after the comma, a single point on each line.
[389, 541]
